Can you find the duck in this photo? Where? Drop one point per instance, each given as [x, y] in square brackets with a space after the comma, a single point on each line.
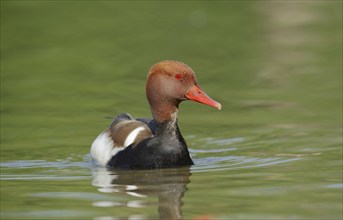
[139, 143]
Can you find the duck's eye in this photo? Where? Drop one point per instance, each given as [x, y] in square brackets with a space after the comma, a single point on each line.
[178, 76]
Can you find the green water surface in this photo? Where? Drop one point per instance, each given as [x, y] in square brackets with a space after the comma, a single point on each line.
[273, 152]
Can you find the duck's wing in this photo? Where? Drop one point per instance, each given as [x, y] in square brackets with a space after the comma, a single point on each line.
[124, 131]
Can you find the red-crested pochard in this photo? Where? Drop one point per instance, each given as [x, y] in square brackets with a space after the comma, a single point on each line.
[153, 143]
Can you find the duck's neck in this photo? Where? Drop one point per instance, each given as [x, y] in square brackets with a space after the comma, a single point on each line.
[165, 117]
[165, 111]
[168, 126]
[171, 141]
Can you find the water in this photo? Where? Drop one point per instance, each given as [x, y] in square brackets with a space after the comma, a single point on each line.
[273, 152]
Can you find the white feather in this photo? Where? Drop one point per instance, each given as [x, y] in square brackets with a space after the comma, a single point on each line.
[103, 148]
[132, 136]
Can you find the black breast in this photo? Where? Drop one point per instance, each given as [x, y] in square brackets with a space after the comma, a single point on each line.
[166, 149]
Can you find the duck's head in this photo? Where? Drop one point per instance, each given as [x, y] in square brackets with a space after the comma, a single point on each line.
[169, 83]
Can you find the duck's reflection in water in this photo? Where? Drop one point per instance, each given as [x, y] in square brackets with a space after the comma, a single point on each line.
[168, 185]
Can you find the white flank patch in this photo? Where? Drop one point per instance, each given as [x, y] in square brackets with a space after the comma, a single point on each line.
[132, 136]
[103, 148]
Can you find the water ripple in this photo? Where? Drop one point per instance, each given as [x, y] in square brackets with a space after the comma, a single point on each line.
[216, 155]
[43, 164]
[208, 164]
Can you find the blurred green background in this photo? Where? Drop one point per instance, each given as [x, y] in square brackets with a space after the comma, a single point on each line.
[66, 65]
[276, 67]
